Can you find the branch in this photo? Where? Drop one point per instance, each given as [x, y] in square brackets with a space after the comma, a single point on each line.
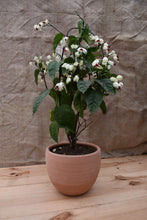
[55, 28]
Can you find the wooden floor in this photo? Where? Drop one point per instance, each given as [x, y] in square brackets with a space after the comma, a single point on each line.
[120, 193]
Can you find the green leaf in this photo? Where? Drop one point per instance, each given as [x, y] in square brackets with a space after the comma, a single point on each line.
[65, 116]
[80, 25]
[64, 97]
[93, 99]
[51, 112]
[69, 60]
[54, 130]
[106, 84]
[40, 65]
[103, 107]
[72, 40]
[36, 72]
[83, 85]
[79, 103]
[85, 34]
[54, 95]
[53, 67]
[88, 64]
[39, 99]
[57, 40]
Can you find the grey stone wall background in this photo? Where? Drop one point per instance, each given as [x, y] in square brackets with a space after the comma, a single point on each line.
[122, 23]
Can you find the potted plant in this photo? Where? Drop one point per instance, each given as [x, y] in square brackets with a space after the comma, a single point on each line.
[80, 72]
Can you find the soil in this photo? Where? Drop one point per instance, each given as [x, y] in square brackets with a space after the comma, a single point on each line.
[67, 150]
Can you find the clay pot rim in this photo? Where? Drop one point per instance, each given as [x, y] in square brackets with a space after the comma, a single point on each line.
[98, 150]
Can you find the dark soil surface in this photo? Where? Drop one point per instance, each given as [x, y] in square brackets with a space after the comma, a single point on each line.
[67, 150]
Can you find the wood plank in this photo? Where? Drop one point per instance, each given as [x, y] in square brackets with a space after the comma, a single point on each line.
[14, 176]
[28, 195]
[132, 210]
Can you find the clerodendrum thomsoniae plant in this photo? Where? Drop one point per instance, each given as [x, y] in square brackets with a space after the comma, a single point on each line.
[80, 71]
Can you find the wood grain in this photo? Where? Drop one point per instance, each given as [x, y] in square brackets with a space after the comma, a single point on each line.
[120, 192]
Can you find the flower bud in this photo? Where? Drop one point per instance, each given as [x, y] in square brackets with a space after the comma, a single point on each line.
[76, 78]
[119, 77]
[68, 80]
[77, 54]
[113, 79]
[31, 64]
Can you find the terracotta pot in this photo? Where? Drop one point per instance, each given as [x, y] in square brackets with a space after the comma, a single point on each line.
[73, 174]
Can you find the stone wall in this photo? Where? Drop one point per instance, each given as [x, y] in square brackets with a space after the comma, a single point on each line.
[123, 131]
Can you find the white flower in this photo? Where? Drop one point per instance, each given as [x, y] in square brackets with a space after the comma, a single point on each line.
[92, 37]
[63, 42]
[49, 57]
[41, 24]
[68, 80]
[66, 49]
[116, 85]
[36, 59]
[109, 67]
[101, 41]
[115, 57]
[74, 46]
[95, 63]
[59, 86]
[104, 61]
[46, 21]
[76, 78]
[119, 77]
[31, 64]
[77, 54]
[111, 62]
[105, 47]
[81, 63]
[36, 27]
[113, 79]
[68, 66]
[82, 50]
[76, 64]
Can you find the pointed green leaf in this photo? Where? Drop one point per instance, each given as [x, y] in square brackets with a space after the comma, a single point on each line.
[106, 84]
[83, 85]
[65, 116]
[39, 99]
[57, 40]
[103, 107]
[53, 67]
[85, 34]
[93, 99]
[80, 25]
[54, 130]
[36, 72]
[79, 103]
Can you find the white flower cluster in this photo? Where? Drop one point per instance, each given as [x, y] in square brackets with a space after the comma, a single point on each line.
[41, 25]
[114, 55]
[68, 66]
[95, 64]
[117, 81]
[74, 46]
[96, 39]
